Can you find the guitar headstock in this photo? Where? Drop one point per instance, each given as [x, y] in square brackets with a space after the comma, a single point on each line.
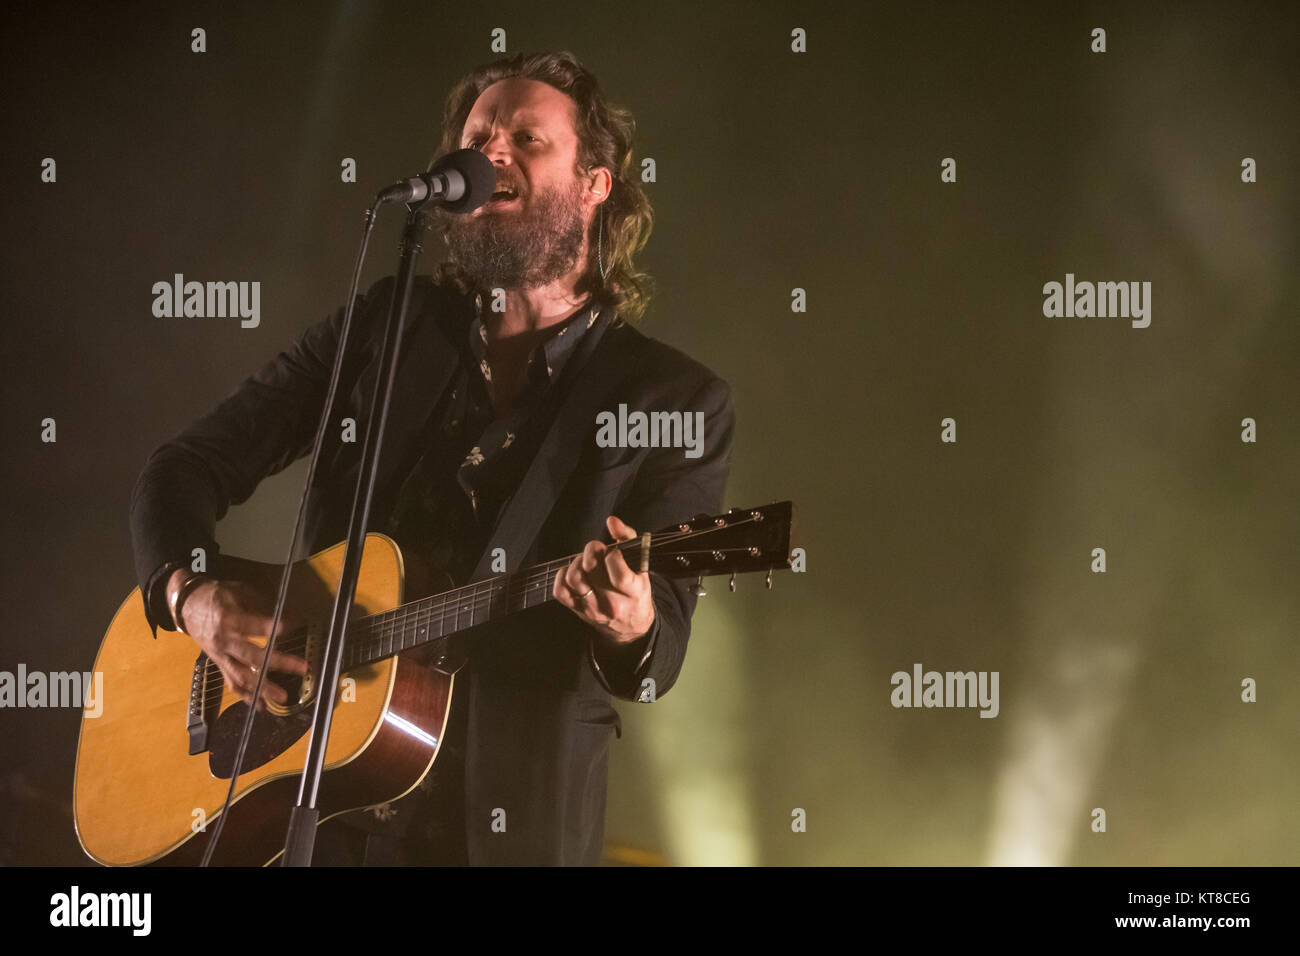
[740, 540]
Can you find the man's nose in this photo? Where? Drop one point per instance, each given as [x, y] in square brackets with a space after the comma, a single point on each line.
[497, 147]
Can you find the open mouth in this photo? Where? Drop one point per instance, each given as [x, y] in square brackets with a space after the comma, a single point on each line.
[503, 196]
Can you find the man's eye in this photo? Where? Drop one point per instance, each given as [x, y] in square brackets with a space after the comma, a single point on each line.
[475, 143]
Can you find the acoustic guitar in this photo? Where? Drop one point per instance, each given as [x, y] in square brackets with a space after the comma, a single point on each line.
[153, 769]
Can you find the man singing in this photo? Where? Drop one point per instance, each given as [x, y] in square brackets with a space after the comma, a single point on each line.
[530, 313]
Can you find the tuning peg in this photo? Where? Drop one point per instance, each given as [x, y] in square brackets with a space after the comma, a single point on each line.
[769, 579]
[698, 587]
[732, 583]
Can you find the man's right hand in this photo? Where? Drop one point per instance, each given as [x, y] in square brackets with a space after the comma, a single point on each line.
[224, 617]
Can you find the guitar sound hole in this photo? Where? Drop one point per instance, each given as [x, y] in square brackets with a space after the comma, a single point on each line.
[271, 737]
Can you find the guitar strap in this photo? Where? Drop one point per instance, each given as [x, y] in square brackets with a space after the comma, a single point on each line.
[521, 518]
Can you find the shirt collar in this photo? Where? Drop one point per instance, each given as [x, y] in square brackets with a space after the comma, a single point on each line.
[550, 357]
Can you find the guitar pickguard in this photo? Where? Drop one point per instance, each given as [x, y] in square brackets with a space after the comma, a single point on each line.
[272, 736]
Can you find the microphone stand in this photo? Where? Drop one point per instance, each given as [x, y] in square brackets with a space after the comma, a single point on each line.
[300, 839]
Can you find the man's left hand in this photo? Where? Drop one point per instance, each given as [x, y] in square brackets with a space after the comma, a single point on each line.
[600, 588]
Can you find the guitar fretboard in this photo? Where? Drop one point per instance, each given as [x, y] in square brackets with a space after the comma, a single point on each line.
[382, 635]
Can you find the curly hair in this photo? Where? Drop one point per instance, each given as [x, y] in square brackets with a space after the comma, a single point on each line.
[604, 133]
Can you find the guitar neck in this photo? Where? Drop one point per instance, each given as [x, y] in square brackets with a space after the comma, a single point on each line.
[741, 540]
[379, 636]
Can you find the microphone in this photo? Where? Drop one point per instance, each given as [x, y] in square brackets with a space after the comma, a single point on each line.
[458, 182]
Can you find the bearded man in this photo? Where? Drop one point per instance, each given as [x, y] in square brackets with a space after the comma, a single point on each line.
[530, 318]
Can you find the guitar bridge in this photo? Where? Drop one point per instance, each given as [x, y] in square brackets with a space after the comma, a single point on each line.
[198, 716]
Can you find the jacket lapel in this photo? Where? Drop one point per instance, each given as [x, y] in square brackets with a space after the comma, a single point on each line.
[595, 372]
[424, 369]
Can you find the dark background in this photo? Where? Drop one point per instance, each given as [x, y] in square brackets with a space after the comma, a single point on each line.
[776, 170]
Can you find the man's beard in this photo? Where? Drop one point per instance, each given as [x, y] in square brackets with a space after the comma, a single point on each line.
[522, 249]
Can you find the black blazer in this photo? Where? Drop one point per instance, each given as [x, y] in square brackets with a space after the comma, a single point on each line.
[540, 718]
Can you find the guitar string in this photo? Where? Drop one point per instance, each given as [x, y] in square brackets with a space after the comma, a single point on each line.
[385, 627]
[389, 624]
[386, 643]
[445, 601]
[536, 577]
[391, 640]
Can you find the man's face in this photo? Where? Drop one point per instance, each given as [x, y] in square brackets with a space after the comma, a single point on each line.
[526, 128]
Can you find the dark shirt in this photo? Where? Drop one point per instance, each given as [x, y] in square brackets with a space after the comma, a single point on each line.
[473, 461]
[445, 510]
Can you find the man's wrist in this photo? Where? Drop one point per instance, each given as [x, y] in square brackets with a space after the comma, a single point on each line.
[626, 643]
[180, 584]
[622, 664]
[155, 594]
[626, 652]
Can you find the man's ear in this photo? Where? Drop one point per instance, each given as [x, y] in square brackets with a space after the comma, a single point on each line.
[600, 181]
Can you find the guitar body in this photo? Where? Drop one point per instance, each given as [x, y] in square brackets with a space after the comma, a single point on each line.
[141, 797]
[154, 765]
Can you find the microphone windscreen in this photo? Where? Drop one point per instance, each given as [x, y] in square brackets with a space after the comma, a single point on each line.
[480, 178]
